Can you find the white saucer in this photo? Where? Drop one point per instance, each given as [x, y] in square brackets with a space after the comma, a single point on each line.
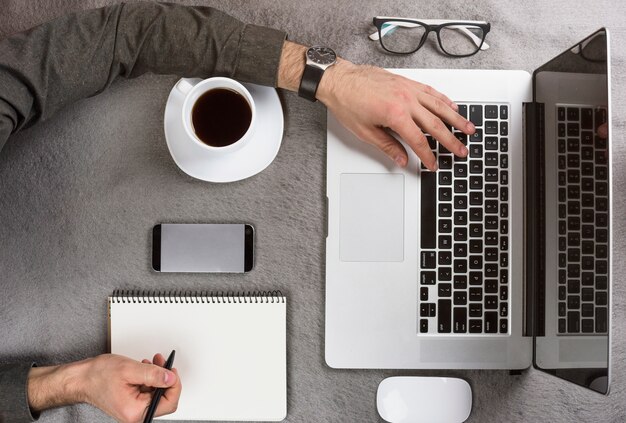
[249, 160]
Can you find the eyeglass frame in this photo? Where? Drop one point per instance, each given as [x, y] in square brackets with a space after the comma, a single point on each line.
[430, 25]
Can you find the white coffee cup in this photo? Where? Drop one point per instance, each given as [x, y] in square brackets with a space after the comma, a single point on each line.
[193, 90]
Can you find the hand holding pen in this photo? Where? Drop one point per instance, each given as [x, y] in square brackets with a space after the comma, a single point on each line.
[153, 408]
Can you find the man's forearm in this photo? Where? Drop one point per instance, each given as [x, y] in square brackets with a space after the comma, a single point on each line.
[79, 55]
[291, 67]
[54, 386]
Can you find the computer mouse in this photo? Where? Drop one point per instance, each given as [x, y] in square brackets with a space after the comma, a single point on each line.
[417, 399]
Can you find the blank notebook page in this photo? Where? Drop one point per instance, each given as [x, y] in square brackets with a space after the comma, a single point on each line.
[230, 351]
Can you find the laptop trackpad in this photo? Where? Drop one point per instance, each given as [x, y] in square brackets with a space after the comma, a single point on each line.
[372, 217]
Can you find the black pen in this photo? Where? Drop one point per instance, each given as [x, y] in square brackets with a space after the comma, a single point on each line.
[159, 392]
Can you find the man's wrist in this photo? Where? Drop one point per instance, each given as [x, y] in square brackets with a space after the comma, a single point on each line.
[55, 386]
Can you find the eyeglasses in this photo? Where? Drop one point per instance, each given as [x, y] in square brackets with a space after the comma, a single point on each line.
[406, 36]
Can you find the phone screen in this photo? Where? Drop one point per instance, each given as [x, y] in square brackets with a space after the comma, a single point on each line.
[202, 248]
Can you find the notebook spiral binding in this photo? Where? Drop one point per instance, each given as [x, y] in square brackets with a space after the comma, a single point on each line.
[212, 297]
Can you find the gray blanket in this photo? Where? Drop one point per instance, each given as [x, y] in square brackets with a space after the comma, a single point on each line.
[80, 193]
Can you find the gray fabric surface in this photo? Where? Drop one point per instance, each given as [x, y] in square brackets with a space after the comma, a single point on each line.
[80, 193]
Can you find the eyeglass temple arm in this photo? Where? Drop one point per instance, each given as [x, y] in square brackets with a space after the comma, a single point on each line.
[387, 27]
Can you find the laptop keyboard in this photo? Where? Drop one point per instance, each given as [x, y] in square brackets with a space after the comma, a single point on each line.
[464, 238]
[583, 216]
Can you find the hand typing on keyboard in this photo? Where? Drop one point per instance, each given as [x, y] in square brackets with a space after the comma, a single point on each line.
[369, 101]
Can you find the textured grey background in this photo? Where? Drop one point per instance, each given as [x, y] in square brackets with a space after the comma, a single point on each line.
[80, 193]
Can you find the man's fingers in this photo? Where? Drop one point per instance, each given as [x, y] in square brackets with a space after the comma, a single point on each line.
[390, 146]
[412, 135]
[435, 127]
[434, 93]
[149, 375]
[603, 131]
[159, 360]
[443, 111]
[169, 401]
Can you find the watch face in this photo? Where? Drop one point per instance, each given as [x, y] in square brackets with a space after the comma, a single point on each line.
[321, 55]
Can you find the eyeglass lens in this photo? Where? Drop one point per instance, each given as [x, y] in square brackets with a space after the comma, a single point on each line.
[456, 40]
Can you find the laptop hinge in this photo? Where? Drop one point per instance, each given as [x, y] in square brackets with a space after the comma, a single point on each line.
[534, 195]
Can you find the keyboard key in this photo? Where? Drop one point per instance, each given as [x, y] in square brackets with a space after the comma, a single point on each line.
[491, 159]
[445, 226]
[573, 302]
[562, 328]
[476, 262]
[601, 298]
[445, 242]
[477, 136]
[504, 309]
[445, 194]
[476, 182]
[573, 286]
[586, 118]
[444, 274]
[475, 278]
[491, 143]
[476, 294]
[504, 112]
[491, 112]
[601, 282]
[491, 127]
[445, 210]
[561, 113]
[504, 145]
[562, 307]
[587, 325]
[491, 254]
[491, 190]
[475, 166]
[491, 206]
[445, 258]
[504, 129]
[428, 213]
[428, 277]
[460, 234]
[424, 310]
[445, 178]
[587, 310]
[476, 151]
[491, 286]
[491, 322]
[460, 298]
[476, 114]
[460, 320]
[432, 309]
[573, 129]
[586, 294]
[491, 302]
[475, 310]
[429, 260]
[460, 170]
[463, 110]
[445, 162]
[475, 326]
[504, 161]
[476, 246]
[573, 322]
[460, 186]
[460, 250]
[423, 325]
[460, 282]
[445, 290]
[504, 326]
[562, 297]
[443, 317]
[572, 114]
[601, 319]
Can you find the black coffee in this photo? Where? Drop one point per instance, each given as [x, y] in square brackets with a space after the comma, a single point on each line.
[221, 117]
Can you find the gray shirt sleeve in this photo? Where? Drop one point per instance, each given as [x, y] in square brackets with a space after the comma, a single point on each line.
[79, 55]
[13, 395]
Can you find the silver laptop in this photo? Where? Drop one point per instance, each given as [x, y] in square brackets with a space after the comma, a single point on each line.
[497, 260]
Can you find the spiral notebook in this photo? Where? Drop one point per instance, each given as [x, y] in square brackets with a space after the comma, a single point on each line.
[230, 349]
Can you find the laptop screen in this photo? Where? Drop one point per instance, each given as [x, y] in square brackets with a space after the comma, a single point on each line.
[570, 244]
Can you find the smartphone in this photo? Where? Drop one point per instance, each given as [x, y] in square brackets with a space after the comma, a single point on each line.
[202, 248]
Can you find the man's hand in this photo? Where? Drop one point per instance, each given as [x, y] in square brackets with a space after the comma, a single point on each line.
[370, 101]
[119, 386]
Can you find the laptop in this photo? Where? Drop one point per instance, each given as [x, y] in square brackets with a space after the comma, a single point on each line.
[496, 261]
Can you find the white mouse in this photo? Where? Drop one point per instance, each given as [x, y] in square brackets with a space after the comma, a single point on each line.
[417, 399]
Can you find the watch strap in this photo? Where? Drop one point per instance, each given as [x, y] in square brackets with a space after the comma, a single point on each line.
[311, 78]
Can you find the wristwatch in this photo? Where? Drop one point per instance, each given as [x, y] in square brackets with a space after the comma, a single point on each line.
[318, 59]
